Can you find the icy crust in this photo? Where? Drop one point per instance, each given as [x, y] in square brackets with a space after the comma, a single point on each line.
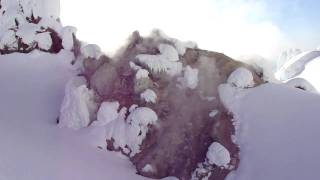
[33, 24]
[77, 106]
[128, 133]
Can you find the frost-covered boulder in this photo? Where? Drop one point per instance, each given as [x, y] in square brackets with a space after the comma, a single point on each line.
[158, 102]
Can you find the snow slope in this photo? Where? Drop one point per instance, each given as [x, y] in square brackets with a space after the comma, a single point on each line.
[32, 147]
[278, 133]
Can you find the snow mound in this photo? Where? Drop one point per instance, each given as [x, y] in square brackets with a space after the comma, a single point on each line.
[107, 112]
[277, 134]
[149, 96]
[218, 155]
[77, 105]
[91, 51]
[301, 84]
[129, 133]
[241, 78]
[166, 61]
[67, 37]
[142, 73]
[44, 40]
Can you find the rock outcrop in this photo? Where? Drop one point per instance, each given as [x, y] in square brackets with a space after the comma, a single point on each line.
[159, 102]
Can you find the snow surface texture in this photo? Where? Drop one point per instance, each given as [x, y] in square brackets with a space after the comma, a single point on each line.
[32, 147]
[77, 106]
[218, 155]
[277, 130]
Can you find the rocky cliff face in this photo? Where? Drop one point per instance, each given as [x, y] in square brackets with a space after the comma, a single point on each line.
[158, 100]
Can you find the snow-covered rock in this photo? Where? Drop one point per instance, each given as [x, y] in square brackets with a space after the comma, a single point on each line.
[67, 37]
[107, 112]
[241, 78]
[129, 134]
[142, 73]
[91, 51]
[44, 40]
[149, 96]
[218, 155]
[77, 106]
[190, 78]
[166, 61]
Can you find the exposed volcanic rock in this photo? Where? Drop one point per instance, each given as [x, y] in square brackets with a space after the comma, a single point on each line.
[32, 24]
[160, 98]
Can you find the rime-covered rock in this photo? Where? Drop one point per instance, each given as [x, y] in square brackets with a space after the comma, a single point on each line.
[160, 105]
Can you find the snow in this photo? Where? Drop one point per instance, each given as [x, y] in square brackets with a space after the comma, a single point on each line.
[148, 168]
[77, 106]
[32, 146]
[142, 73]
[296, 65]
[218, 155]
[149, 96]
[44, 40]
[108, 112]
[278, 130]
[91, 51]
[213, 113]
[67, 37]
[301, 83]
[166, 61]
[180, 46]
[190, 78]
[241, 78]
[9, 40]
[128, 133]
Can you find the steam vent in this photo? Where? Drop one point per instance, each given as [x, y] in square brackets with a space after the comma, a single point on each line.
[158, 99]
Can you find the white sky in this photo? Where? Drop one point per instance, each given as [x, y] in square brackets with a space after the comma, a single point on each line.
[233, 27]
